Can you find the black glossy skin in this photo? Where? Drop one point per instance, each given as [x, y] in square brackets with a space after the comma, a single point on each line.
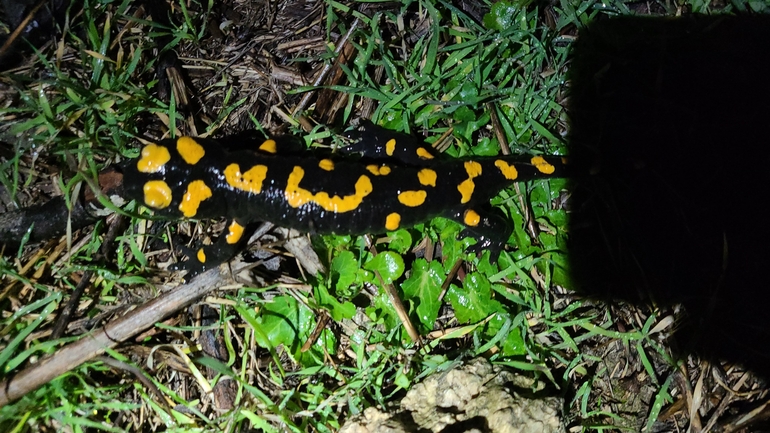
[414, 187]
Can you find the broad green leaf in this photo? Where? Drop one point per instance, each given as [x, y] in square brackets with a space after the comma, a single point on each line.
[282, 321]
[473, 302]
[338, 310]
[423, 287]
[382, 311]
[486, 147]
[510, 342]
[502, 15]
[389, 264]
[400, 241]
[343, 270]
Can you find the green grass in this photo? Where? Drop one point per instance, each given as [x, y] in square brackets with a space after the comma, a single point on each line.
[83, 110]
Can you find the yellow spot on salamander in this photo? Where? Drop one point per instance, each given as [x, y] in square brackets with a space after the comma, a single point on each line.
[508, 170]
[412, 198]
[326, 164]
[251, 181]
[157, 194]
[201, 256]
[473, 169]
[427, 177]
[378, 170]
[197, 191]
[467, 186]
[154, 157]
[390, 147]
[471, 218]
[269, 146]
[392, 221]
[423, 153]
[542, 165]
[190, 150]
[234, 233]
[297, 196]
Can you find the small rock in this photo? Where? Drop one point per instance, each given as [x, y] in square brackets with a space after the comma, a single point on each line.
[476, 396]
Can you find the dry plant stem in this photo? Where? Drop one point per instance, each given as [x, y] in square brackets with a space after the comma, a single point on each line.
[327, 67]
[449, 278]
[744, 421]
[69, 308]
[323, 320]
[15, 35]
[117, 331]
[395, 300]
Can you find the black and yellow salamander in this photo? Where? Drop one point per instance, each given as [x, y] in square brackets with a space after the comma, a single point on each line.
[383, 181]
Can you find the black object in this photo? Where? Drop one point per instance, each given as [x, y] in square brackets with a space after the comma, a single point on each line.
[673, 116]
[39, 29]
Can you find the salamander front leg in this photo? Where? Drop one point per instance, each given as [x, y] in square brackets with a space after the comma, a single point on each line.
[490, 230]
[206, 257]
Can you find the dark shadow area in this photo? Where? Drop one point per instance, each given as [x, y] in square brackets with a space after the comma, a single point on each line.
[673, 116]
[39, 20]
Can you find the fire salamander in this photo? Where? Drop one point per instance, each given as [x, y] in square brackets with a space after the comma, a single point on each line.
[383, 181]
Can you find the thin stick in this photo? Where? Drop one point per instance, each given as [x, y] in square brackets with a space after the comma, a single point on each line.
[90, 346]
[15, 35]
[325, 71]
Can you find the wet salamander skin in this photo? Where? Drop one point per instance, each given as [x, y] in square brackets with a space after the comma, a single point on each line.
[382, 181]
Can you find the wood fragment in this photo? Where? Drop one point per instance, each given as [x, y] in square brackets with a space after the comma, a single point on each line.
[119, 330]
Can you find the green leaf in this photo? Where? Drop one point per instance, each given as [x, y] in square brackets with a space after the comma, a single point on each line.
[514, 344]
[510, 342]
[424, 287]
[502, 15]
[343, 270]
[484, 266]
[389, 264]
[282, 321]
[486, 147]
[473, 302]
[364, 276]
[452, 248]
[279, 320]
[382, 312]
[340, 241]
[400, 241]
[403, 378]
[464, 114]
[338, 310]
[468, 128]
[547, 240]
